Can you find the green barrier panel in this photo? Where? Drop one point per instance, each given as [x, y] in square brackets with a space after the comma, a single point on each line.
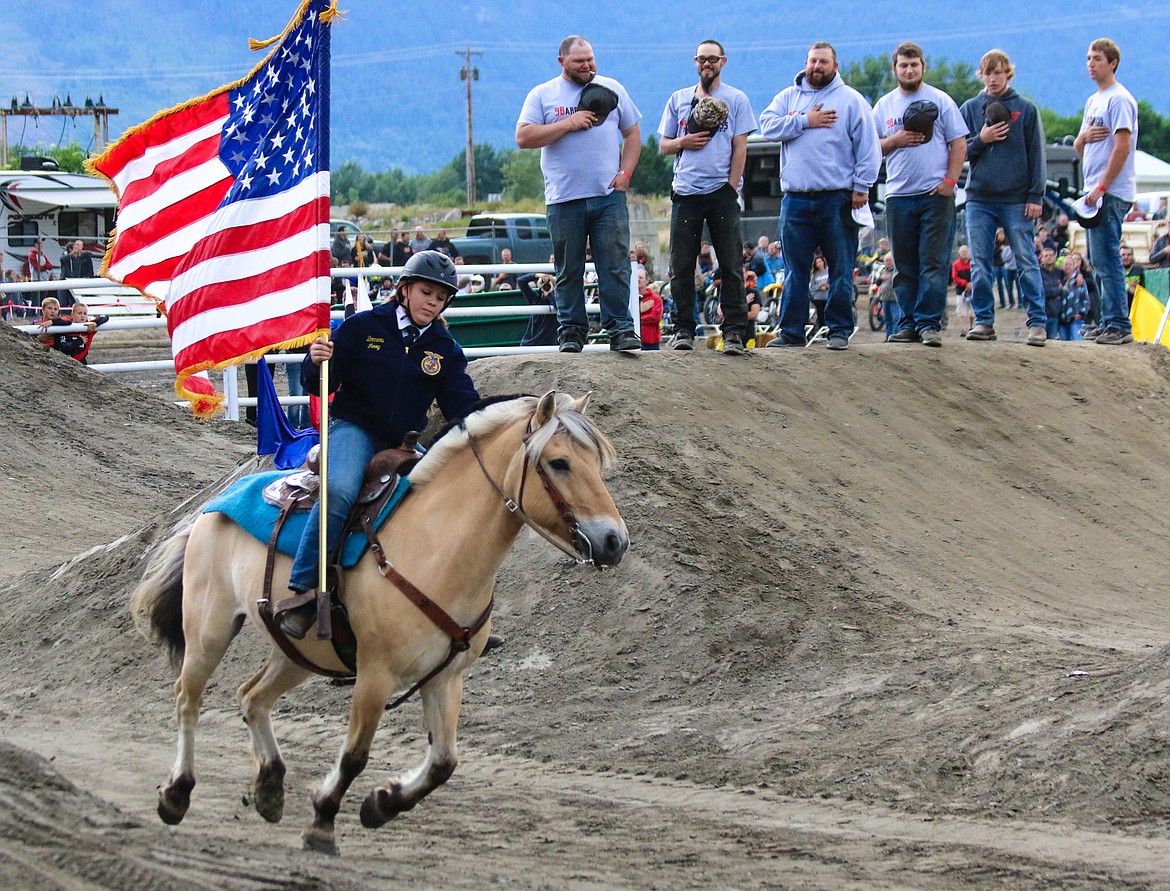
[489, 331]
[1158, 283]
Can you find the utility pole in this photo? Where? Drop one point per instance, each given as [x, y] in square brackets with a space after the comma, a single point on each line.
[98, 110]
[468, 74]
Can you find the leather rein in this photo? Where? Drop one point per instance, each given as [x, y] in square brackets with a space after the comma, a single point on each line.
[459, 635]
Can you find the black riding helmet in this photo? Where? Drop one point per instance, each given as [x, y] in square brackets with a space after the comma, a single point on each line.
[431, 266]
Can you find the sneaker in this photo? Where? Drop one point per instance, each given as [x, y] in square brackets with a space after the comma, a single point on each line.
[625, 342]
[572, 341]
[782, 341]
[837, 342]
[1114, 337]
[682, 340]
[982, 332]
[733, 345]
[932, 338]
[1037, 336]
[906, 335]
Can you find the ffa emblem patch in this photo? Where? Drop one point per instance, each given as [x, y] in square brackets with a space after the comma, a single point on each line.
[432, 363]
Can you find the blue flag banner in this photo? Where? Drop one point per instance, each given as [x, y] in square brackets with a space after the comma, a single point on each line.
[274, 434]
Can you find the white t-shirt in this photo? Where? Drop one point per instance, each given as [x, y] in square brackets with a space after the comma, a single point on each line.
[583, 163]
[1116, 109]
[917, 169]
[706, 170]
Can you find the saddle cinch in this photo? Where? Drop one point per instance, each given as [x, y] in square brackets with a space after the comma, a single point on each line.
[299, 492]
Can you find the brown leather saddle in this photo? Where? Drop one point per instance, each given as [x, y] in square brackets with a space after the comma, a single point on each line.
[299, 491]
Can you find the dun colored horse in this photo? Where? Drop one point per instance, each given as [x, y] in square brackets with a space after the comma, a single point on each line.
[518, 461]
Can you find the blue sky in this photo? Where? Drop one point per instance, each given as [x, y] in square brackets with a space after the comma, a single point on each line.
[398, 100]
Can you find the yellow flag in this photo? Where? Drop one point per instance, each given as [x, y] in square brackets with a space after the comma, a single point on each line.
[1146, 315]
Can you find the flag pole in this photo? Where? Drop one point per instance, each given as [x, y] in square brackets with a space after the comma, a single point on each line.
[323, 497]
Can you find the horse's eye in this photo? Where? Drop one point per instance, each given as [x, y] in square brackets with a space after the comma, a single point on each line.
[560, 465]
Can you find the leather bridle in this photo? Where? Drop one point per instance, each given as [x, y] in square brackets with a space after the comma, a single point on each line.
[582, 550]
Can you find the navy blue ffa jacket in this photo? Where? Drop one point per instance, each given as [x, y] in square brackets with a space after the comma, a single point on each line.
[386, 388]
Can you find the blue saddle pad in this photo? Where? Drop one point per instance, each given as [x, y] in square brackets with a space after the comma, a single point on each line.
[245, 506]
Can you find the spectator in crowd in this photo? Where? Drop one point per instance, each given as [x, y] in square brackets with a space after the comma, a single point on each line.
[708, 173]
[650, 307]
[755, 306]
[50, 318]
[341, 250]
[1108, 140]
[923, 138]
[504, 281]
[961, 279]
[1135, 274]
[443, 244]
[420, 242]
[642, 256]
[1082, 265]
[818, 289]
[1005, 270]
[1045, 239]
[1005, 191]
[1074, 302]
[1051, 285]
[585, 187]
[883, 287]
[401, 249]
[1160, 252]
[77, 345]
[76, 263]
[1160, 210]
[1059, 232]
[363, 252]
[829, 158]
[40, 269]
[752, 261]
[773, 266]
[539, 290]
[15, 302]
[761, 250]
[386, 251]
[1137, 214]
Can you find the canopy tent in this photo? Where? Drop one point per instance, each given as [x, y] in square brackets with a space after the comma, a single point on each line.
[1153, 174]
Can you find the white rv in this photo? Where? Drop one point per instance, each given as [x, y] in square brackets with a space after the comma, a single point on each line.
[61, 208]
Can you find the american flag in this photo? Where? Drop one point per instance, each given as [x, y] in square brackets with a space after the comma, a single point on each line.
[223, 209]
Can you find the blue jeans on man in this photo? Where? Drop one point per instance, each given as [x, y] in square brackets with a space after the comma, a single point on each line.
[719, 210]
[983, 218]
[350, 450]
[603, 221]
[1105, 254]
[809, 220]
[921, 228]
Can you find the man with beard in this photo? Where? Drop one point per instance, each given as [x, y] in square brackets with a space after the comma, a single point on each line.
[585, 187]
[708, 174]
[923, 138]
[1005, 189]
[829, 159]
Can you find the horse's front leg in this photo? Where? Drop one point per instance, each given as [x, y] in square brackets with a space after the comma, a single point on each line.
[441, 701]
[370, 695]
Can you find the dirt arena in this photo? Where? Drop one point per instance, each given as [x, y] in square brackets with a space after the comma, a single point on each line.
[892, 618]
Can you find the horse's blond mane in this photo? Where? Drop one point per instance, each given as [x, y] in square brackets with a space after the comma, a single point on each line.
[500, 414]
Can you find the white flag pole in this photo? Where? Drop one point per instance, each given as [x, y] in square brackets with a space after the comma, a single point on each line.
[323, 497]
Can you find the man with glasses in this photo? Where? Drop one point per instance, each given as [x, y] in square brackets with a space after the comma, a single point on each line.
[708, 174]
[583, 123]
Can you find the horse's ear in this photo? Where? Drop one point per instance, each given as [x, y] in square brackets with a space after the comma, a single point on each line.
[545, 409]
[583, 402]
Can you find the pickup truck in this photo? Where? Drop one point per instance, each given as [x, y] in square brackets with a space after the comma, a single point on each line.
[488, 234]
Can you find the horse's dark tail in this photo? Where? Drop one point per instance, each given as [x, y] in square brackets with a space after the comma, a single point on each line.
[157, 602]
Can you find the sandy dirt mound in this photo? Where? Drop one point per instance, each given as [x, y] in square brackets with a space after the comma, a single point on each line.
[891, 618]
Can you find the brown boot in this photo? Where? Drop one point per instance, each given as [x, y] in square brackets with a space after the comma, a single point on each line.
[297, 621]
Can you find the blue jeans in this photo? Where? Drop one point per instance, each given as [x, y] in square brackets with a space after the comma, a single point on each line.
[605, 222]
[921, 228]
[350, 450]
[809, 220]
[1005, 284]
[983, 218]
[719, 211]
[1071, 330]
[1105, 255]
[893, 315]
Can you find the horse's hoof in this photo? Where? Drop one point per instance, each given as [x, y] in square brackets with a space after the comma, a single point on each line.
[175, 800]
[378, 809]
[320, 841]
[268, 792]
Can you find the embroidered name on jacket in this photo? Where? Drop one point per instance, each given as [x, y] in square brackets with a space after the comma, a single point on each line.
[432, 363]
[374, 343]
